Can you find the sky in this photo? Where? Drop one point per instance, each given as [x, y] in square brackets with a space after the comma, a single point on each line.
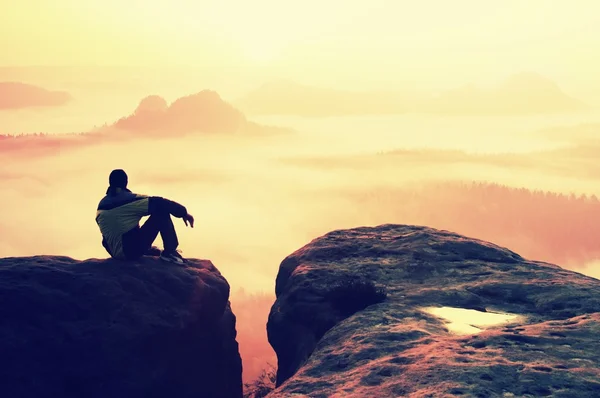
[321, 41]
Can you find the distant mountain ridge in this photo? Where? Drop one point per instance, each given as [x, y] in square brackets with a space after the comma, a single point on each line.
[16, 95]
[204, 111]
[523, 93]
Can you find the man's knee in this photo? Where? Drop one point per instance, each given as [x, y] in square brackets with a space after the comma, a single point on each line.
[161, 218]
[158, 204]
[162, 214]
[158, 207]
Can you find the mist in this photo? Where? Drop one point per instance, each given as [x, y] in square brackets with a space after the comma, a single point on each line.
[275, 127]
[518, 182]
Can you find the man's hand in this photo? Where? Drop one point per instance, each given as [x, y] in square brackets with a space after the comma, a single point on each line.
[190, 218]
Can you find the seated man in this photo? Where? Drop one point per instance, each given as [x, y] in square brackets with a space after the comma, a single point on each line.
[120, 212]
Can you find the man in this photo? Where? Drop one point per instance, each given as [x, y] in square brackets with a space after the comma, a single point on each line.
[120, 212]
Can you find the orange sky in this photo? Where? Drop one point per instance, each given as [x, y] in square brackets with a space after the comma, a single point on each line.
[316, 40]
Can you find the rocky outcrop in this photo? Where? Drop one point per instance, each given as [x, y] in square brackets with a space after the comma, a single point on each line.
[204, 112]
[360, 313]
[107, 328]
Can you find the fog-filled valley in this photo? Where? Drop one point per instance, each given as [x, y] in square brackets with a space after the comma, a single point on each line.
[262, 186]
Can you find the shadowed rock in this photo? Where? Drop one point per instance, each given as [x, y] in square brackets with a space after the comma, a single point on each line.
[106, 328]
[392, 345]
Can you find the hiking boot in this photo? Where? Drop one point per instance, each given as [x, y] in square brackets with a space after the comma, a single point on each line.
[172, 257]
[153, 252]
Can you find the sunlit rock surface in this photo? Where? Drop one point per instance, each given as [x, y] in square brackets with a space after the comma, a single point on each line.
[533, 330]
[107, 328]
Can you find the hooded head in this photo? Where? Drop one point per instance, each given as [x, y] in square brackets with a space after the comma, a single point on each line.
[117, 181]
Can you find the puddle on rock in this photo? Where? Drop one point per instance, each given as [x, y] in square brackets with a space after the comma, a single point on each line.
[464, 321]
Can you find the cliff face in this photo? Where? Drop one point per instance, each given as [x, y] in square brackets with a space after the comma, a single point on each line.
[337, 333]
[105, 328]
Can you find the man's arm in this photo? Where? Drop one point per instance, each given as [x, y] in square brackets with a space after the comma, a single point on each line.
[157, 204]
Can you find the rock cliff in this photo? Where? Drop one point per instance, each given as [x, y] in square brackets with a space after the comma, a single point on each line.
[106, 328]
[400, 310]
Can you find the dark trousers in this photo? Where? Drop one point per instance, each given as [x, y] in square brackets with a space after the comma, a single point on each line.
[139, 240]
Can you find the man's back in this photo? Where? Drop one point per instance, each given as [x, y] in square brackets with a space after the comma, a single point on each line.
[119, 212]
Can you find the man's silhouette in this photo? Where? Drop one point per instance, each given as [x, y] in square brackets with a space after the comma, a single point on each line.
[120, 212]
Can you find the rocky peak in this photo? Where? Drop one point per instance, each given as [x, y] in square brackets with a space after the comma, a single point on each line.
[108, 328]
[397, 310]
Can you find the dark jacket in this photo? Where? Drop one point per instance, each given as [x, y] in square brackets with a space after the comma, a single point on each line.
[121, 210]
